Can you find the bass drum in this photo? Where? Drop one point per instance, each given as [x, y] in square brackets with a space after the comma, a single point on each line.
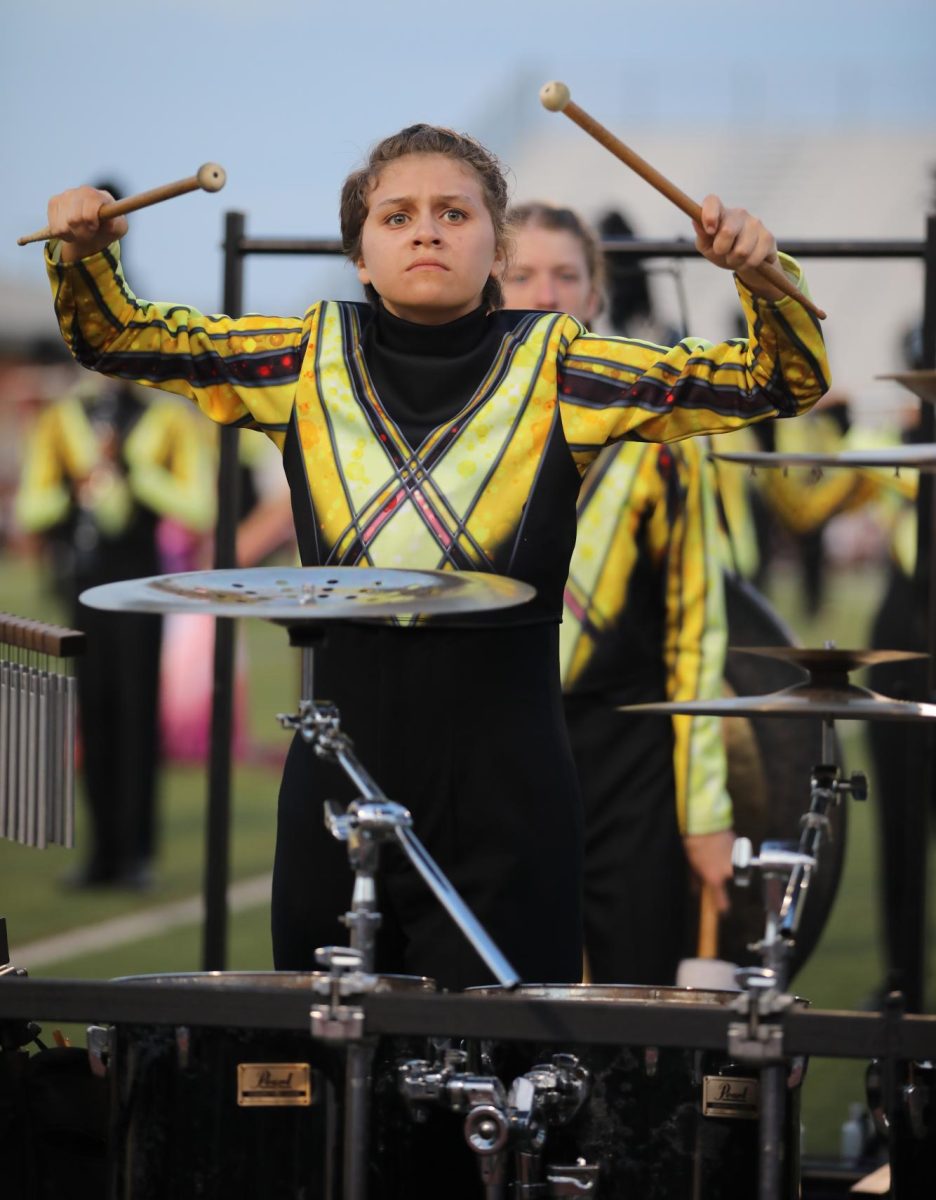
[770, 760]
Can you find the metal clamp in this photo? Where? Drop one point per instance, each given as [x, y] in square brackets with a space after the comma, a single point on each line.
[755, 1040]
[337, 1021]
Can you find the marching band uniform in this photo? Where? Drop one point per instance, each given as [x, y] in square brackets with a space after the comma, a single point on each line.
[644, 620]
[457, 446]
[102, 467]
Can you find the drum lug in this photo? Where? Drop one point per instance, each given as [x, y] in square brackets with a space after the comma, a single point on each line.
[100, 1046]
[580, 1180]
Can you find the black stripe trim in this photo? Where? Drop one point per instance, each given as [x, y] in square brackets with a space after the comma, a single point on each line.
[96, 293]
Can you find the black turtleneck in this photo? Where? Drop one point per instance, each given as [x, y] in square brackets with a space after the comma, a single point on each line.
[426, 374]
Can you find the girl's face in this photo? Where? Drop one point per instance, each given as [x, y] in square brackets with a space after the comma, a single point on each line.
[427, 244]
[549, 272]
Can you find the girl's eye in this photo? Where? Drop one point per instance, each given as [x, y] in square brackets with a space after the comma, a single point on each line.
[454, 216]
[396, 219]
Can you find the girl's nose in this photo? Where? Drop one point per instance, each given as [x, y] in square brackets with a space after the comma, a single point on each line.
[426, 230]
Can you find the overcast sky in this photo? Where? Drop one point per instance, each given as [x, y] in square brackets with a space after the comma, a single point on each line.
[288, 95]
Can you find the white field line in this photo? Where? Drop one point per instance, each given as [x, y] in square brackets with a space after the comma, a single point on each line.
[118, 931]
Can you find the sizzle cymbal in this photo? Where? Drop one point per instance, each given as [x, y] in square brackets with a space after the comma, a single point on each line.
[828, 660]
[295, 594]
[921, 383]
[920, 457]
[843, 703]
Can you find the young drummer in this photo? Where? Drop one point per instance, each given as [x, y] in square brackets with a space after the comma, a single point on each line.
[430, 429]
[644, 619]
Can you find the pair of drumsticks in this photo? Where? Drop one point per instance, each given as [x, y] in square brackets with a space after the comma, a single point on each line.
[554, 96]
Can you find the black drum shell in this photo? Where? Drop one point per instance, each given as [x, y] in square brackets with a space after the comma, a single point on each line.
[177, 1129]
[642, 1122]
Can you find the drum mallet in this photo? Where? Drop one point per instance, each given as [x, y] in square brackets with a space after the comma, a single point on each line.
[707, 970]
[557, 98]
[209, 178]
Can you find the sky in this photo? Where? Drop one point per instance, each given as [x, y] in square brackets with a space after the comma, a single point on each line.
[287, 96]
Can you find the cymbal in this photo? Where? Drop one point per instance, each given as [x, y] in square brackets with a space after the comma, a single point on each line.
[296, 594]
[843, 703]
[921, 383]
[828, 660]
[921, 457]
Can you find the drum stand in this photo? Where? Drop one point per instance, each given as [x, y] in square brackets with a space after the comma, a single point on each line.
[364, 825]
[786, 873]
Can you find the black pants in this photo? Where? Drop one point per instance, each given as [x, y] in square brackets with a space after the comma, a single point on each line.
[465, 728]
[118, 686]
[636, 877]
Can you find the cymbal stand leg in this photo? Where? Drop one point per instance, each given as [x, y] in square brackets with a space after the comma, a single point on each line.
[374, 818]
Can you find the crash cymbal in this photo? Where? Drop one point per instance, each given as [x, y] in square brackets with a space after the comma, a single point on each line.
[828, 660]
[295, 594]
[921, 383]
[920, 457]
[843, 703]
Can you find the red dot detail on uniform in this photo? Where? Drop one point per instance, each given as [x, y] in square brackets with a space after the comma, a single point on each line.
[383, 437]
[287, 361]
[263, 372]
[670, 397]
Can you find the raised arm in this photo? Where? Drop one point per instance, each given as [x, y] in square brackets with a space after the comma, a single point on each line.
[613, 388]
[238, 371]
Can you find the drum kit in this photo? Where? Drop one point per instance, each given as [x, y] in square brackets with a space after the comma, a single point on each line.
[341, 1111]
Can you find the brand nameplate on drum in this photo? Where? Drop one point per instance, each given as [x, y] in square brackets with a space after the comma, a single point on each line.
[278, 1083]
[730, 1096]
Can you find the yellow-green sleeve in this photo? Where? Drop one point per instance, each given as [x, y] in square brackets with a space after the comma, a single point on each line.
[240, 371]
[62, 456]
[613, 388]
[169, 466]
[695, 643]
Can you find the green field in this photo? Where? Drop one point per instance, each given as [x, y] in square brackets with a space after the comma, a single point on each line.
[842, 973]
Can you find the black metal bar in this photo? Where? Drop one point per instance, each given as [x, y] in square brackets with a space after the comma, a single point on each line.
[217, 833]
[642, 247]
[820, 1034]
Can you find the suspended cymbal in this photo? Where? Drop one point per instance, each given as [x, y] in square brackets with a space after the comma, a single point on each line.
[921, 383]
[842, 703]
[297, 594]
[920, 457]
[828, 660]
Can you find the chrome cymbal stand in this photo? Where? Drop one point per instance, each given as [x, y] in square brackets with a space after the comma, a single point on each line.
[758, 1038]
[826, 790]
[365, 824]
[372, 819]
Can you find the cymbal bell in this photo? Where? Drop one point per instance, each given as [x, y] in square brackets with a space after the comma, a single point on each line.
[843, 703]
[828, 660]
[920, 457]
[921, 383]
[298, 594]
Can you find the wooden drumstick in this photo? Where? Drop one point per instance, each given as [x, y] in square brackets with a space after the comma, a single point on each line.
[210, 177]
[557, 98]
[708, 923]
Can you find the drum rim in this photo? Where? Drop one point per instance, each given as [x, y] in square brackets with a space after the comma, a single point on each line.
[632, 993]
[276, 978]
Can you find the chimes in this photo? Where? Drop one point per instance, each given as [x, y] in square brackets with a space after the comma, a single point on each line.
[38, 710]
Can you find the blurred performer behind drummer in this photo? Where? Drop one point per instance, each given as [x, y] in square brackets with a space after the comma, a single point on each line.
[643, 619]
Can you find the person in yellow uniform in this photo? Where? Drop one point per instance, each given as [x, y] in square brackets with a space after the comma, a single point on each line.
[643, 620]
[430, 428]
[103, 466]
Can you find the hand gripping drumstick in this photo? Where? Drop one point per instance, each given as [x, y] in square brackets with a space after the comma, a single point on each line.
[557, 98]
[210, 178]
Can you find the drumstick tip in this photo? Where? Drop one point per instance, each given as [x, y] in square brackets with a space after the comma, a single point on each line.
[554, 96]
[211, 177]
